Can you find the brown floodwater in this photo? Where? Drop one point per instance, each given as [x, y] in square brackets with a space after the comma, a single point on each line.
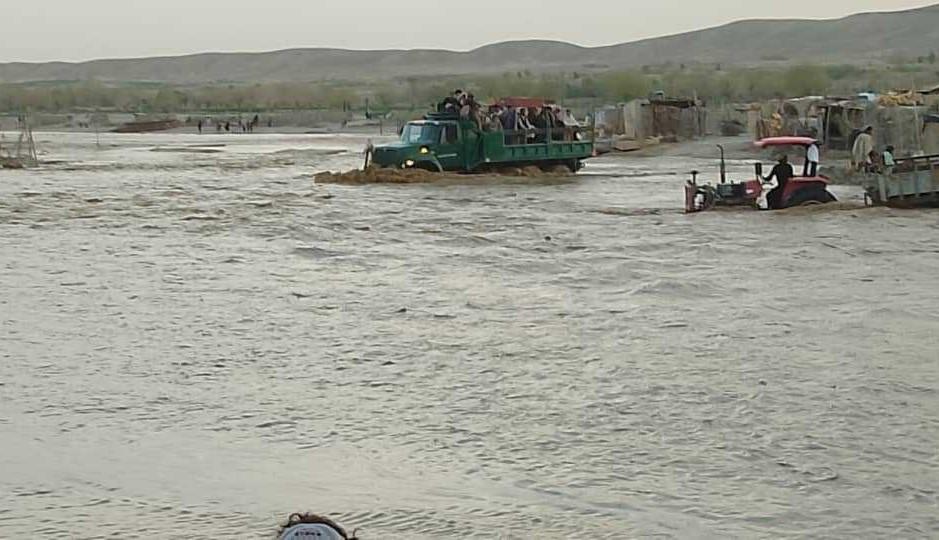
[197, 341]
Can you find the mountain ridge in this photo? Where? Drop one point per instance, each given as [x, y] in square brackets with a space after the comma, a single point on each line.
[857, 38]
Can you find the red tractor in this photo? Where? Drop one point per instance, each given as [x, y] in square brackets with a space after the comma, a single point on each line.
[798, 191]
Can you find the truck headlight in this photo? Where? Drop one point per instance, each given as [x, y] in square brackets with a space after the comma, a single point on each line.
[409, 163]
[425, 150]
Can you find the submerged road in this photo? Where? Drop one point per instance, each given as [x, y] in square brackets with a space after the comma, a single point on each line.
[196, 341]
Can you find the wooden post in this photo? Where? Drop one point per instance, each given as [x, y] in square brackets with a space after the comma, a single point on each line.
[932, 175]
[97, 135]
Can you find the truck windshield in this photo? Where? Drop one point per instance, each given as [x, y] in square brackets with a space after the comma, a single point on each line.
[421, 134]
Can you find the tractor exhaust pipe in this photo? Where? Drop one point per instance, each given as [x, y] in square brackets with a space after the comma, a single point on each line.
[723, 165]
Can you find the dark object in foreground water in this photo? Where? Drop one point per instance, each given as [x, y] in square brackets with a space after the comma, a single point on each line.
[305, 526]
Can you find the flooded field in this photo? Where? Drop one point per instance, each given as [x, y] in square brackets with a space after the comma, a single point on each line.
[196, 340]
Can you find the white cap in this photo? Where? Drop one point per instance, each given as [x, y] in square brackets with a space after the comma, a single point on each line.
[311, 531]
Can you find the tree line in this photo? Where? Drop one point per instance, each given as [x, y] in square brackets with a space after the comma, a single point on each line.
[711, 83]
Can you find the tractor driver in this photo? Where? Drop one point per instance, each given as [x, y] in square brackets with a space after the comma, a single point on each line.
[782, 172]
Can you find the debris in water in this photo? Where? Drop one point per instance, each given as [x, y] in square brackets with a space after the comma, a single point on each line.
[186, 150]
[375, 175]
[315, 252]
[378, 175]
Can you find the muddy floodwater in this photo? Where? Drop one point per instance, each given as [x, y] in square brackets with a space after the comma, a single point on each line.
[196, 341]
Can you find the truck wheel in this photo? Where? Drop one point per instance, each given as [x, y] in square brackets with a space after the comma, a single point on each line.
[427, 166]
[558, 167]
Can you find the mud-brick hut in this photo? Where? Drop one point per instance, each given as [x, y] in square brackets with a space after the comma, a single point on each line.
[930, 97]
[790, 117]
[609, 122]
[906, 124]
[842, 120]
[730, 119]
[902, 127]
[673, 119]
[660, 117]
[931, 134]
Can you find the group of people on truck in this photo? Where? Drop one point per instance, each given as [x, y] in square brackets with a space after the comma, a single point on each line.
[461, 103]
[521, 125]
[533, 126]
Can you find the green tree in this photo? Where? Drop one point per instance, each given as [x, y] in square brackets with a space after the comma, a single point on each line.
[806, 80]
[624, 86]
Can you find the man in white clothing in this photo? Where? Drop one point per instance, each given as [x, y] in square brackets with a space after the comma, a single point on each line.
[811, 160]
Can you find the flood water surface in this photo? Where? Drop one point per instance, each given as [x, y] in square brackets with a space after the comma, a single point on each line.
[197, 341]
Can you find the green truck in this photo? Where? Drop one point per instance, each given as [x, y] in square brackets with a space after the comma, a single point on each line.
[446, 142]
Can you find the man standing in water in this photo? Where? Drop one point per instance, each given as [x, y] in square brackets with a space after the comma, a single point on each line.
[863, 146]
[782, 172]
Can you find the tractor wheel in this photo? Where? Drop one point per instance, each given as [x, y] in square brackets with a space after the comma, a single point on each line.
[810, 196]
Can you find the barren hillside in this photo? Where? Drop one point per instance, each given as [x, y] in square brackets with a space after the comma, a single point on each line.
[859, 38]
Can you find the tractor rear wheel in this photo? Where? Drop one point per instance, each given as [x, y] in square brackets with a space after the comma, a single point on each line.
[811, 195]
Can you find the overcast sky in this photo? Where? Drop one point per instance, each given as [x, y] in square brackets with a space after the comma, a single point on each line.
[73, 30]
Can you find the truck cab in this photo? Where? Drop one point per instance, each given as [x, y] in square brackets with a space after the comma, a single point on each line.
[436, 143]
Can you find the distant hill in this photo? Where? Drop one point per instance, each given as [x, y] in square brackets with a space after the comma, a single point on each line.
[858, 38]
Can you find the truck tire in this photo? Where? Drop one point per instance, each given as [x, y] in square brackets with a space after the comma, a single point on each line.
[557, 167]
[428, 166]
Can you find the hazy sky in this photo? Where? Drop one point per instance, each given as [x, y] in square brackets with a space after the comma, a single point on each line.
[42, 30]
